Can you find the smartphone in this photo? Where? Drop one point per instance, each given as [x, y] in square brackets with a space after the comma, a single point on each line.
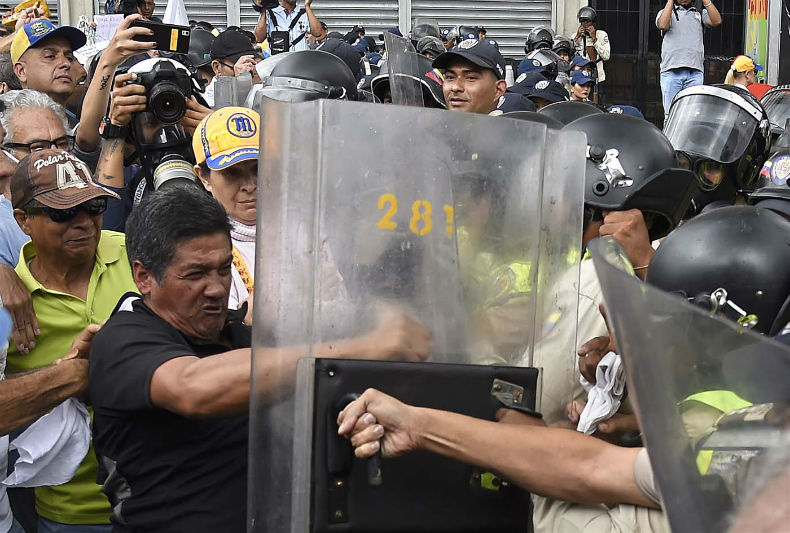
[168, 37]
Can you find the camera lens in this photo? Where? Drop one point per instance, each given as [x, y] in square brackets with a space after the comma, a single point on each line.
[167, 102]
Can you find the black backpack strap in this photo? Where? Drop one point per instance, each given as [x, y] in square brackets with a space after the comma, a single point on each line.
[298, 39]
[296, 19]
[273, 19]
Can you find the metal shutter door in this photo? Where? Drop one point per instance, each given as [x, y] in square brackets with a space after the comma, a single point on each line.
[506, 21]
[213, 11]
[342, 15]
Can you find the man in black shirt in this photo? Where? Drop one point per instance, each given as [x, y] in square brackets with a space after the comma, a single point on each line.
[170, 373]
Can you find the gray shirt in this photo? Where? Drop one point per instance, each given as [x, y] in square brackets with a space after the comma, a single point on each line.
[682, 45]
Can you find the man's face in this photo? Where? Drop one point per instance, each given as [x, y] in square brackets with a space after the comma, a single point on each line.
[564, 55]
[470, 88]
[684, 3]
[580, 92]
[193, 296]
[448, 43]
[146, 8]
[235, 189]
[33, 124]
[67, 243]
[48, 67]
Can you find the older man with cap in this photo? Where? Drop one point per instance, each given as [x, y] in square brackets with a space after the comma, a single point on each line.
[474, 76]
[232, 53]
[75, 273]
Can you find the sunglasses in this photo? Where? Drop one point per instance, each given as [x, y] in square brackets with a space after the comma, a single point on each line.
[94, 207]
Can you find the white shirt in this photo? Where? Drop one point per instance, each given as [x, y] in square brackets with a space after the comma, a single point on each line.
[283, 22]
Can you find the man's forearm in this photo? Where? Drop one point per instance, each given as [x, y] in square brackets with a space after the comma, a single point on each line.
[666, 16]
[109, 170]
[315, 24]
[557, 463]
[94, 107]
[261, 28]
[25, 397]
[714, 17]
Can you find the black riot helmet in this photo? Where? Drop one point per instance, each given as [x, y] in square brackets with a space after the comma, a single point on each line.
[773, 189]
[587, 14]
[540, 37]
[424, 30]
[421, 71]
[720, 133]
[776, 103]
[430, 47]
[533, 116]
[567, 112]
[564, 44]
[733, 261]
[200, 48]
[551, 62]
[311, 75]
[631, 165]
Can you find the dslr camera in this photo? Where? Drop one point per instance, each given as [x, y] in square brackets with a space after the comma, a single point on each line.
[264, 5]
[168, 86]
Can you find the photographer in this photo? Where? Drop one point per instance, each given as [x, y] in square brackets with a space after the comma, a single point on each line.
[162, 145]
[284, 25]
[682, 50]
[593, 44]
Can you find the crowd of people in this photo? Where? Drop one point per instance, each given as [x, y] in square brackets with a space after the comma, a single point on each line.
[130, 190]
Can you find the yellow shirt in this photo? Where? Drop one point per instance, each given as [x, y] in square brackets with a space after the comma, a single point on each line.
[61, 317]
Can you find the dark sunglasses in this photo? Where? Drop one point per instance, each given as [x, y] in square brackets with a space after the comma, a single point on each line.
[94, 206]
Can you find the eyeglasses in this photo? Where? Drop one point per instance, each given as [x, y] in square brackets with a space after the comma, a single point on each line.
[62, 143]
[94, 206]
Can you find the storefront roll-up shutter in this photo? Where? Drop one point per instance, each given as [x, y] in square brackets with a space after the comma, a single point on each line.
[213, 11]
[506, 21]
[53, 12]
[376, 16]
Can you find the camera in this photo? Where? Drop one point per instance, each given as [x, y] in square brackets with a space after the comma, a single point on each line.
[264, 5]
[168, 85]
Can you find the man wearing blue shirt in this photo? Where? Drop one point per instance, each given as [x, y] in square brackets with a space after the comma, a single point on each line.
[285, 18]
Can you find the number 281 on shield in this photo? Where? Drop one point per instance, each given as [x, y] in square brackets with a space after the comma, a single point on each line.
[421, 220]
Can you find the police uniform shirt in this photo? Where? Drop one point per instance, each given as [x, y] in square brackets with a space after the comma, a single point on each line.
[682, 45]
[283, 22]
[162, 471]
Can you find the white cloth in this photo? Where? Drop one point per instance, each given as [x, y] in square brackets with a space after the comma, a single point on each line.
[176, 13]
[208, 93]
[52, 448]
[243, 239]
[603, 398]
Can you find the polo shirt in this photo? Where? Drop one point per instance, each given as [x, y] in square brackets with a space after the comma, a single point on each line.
[682, 44]
[283, 22]
[61, 317]
[164, 472]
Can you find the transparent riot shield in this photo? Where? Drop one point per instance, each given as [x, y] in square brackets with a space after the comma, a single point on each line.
[711, 396]
[373, 228]
[403, 66]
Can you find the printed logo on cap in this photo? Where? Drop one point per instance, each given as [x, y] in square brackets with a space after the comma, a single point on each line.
[536, 63]
[616, 110]
[468, 43]
[542, 85]
[781, 170]
[241, 125]
[521, 77]
[38, 28]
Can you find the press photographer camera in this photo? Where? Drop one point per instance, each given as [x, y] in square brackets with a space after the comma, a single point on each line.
[149, 116]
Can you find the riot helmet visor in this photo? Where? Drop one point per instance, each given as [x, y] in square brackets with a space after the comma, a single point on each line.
[777, 106]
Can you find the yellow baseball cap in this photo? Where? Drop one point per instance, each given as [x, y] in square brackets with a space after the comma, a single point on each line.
[745, 64]
[33, 32]
[226, 137]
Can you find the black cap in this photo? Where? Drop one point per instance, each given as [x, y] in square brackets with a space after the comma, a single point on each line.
[548, 90]
[480, 53]
[349, 54]
[231, 44]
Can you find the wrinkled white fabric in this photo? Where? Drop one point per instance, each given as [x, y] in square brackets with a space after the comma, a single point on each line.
[603, 398]
[52, 448]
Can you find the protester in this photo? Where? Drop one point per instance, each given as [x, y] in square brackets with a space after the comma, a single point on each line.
[682, 50]
[742, 72]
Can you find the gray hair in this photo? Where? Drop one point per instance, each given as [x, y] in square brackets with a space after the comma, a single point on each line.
[27, 98]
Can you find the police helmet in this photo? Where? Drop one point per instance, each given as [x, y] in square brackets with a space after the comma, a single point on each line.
[567, 112]
[422, 73]
[731, 260]
[424, 30]
[721, 133]
[311, 75]
[533, 116]
[564, 44]
[430, 45]
[539, 37]
[776, 103]
[631, 165]
[552, 63]
[587, 14]
[773, 190]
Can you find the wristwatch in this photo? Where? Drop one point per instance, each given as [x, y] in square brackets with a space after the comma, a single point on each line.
[108, 130]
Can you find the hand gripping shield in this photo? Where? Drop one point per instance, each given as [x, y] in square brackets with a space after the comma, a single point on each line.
[373, 229]
[711, 396]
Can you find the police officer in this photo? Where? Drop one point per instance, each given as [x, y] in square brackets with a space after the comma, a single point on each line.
[474, 76]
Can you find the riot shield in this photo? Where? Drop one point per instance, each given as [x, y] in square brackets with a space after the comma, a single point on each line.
[445, 231]
[711, 396]
[403, 64]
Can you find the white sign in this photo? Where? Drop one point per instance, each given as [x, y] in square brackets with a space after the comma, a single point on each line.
[106, 26]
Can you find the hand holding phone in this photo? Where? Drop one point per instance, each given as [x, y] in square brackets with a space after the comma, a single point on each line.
[168, 37]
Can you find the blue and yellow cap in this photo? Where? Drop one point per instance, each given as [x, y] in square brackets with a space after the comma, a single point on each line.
[226, 137]
[33, 32]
